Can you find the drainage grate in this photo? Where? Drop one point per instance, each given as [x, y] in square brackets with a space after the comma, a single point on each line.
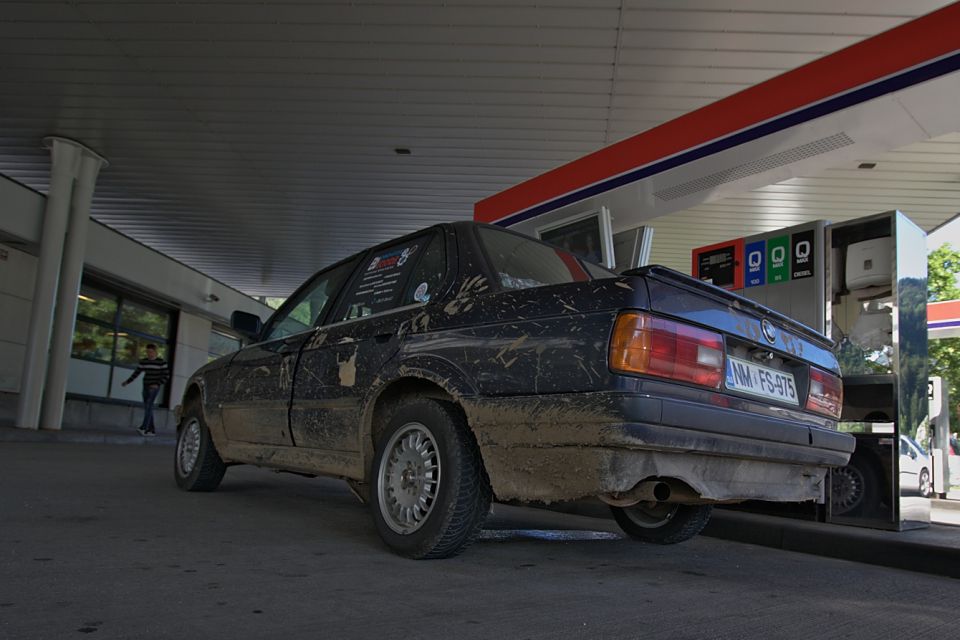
[782, 158]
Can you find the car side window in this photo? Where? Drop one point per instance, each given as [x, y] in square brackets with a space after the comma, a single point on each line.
[305, 311]
[523, 263]
[383, 281]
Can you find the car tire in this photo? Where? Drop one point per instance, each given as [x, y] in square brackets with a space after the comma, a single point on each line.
[662, 522]
[196, 464]
[925, 486]
[855, 488]
[429, 491]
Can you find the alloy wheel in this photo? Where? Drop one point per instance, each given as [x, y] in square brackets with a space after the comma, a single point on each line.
[409, 478]
[188, 447]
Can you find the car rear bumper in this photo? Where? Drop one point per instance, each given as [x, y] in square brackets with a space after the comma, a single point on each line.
[566, 447]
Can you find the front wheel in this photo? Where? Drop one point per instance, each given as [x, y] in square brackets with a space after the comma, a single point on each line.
[429, 492]
[662, 522]
[196, 464]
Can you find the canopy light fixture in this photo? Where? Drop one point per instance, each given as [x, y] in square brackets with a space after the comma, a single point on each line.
[866, 165]
[401, 151]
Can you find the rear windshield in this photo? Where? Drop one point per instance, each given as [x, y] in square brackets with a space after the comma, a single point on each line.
[524, 263]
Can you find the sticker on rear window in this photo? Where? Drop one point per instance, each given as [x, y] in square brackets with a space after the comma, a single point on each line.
[421, 295]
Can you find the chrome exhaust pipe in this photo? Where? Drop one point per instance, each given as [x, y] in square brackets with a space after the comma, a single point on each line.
[668, 490]
[645, 491]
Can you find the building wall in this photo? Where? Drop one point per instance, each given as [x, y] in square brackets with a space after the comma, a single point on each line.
[191, 351]
[199, 303]
[18, 271]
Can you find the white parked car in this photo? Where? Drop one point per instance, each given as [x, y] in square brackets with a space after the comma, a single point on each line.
[914, 467]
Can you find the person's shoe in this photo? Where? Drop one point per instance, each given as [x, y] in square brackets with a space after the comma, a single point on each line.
[150, 434]
[142, 431]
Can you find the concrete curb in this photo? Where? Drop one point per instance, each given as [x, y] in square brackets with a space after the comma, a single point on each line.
[935, 550]
[909, 550]
[949, 505]
[12, 434]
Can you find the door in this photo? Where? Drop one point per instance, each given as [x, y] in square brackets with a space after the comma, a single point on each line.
[394, 286]
[259, 380]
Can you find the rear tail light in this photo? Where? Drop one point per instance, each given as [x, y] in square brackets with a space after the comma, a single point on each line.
[826, 393]
[653, 346]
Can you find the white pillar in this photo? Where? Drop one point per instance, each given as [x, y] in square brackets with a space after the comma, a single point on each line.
[65, 160]
[71, 270]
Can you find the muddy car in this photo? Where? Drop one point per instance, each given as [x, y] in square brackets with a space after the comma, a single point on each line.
[466, 363]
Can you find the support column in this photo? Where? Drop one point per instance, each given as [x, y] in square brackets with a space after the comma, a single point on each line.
[65, 160]
[71, 271]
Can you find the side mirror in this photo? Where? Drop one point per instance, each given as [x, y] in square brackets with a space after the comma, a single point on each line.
[246, 324]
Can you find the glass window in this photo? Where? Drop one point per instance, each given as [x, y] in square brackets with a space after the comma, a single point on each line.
[523, 263]
[582, 238]
[92, 342]
[221, 344]
[307, 309]
[428, 274]
[96, 304]
[144, 319]
[132, 348]
[383, 277]
[107, 345]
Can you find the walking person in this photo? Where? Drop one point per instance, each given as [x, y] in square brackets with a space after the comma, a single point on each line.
[155, 374]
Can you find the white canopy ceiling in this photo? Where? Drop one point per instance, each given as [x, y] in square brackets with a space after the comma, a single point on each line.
[256, 141]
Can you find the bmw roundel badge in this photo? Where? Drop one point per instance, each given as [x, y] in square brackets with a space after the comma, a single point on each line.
[769, 331]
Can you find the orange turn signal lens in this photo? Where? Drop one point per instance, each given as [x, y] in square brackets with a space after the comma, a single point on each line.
[648, 345]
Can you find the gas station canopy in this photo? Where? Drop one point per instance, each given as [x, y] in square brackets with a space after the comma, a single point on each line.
[259, 141]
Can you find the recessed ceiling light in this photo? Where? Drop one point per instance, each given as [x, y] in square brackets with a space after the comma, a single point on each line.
[866, 165]
[400, 151]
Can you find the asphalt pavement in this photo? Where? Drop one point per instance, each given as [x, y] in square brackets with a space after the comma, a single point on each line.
[97, 540]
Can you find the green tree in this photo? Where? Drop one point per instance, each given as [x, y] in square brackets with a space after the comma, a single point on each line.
[943, 267]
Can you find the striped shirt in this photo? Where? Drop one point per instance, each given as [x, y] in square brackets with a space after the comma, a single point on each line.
[154, 372]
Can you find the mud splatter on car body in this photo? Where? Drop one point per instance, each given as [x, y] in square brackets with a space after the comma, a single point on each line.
[528, 367]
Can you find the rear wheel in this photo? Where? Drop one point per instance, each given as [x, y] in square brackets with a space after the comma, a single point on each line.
[196, 464]
[855, 488]
[662, 522]
[429, 492]
[926, 487]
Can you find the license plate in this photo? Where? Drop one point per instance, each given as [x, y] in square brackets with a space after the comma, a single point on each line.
[757, 380]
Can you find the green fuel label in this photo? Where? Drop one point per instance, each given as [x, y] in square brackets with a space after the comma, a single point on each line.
[778, 259]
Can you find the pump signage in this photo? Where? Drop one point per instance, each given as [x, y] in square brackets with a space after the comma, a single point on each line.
[756, 254]
[720, 264]
[778, 260]
[801, 255]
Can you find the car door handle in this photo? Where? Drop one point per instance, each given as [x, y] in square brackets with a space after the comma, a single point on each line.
[383, 337]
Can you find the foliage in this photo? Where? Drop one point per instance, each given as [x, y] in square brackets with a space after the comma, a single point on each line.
[274, 303]
[943, 267]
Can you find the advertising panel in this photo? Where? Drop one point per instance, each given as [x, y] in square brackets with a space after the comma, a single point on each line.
[755, 264]
[720, 264]
[778, 264]
[801, 255]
